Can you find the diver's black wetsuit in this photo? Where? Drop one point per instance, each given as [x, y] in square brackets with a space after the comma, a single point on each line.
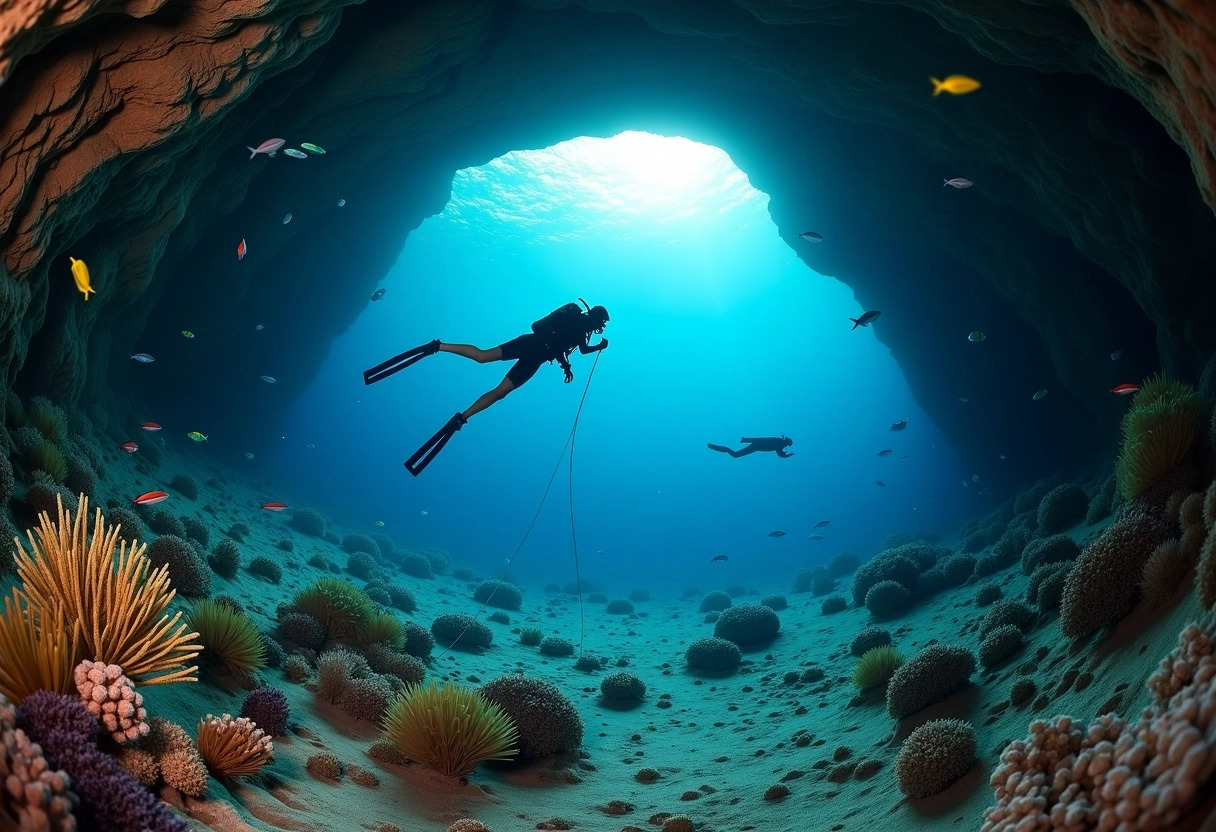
[776, 444]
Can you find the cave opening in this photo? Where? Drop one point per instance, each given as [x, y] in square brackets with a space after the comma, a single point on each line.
[718, 329]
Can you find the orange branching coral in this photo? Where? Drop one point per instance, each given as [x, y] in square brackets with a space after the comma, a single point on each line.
[119, 602]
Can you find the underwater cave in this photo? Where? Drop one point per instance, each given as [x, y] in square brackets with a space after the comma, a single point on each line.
[215, 215]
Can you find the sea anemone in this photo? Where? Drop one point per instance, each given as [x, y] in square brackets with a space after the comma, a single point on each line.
[233, 747]
[229, 637]
[1159, 433]
[876, 667]
[449, 729]
[342, 608]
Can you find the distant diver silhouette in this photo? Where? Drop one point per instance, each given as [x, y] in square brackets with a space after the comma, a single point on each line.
[553, 338]
[757, 444]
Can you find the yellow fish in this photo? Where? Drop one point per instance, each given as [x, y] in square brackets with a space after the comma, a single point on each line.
[196, 436]
[955, 85]
[81, 272]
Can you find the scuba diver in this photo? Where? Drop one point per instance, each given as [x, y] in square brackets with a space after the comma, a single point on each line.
[553, 338]
[776, 444]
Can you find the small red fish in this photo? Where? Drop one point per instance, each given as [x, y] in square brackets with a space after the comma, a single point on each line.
[1124, 389]
[129, 447]
[275, 506]
[719, 559]
[150, 426]
[151, 498]
[241, 248]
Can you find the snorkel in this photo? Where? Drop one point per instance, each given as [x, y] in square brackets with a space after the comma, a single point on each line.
[598, 316]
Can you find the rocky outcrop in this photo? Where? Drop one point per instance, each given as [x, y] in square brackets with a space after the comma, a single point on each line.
[123, 139]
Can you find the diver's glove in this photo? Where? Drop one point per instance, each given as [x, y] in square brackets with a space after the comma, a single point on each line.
[569, 374]
[602, 345]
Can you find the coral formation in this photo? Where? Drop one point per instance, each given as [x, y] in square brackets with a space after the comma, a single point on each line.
[308, 521]
[1165, 571]
[886, 599]
[1114, 773]
[934, 756]
[185, 485]
[1061, 508]
[303, 629]
[233, 747]
[748, 624]
[187, 570]
[111, 800]
[716, 601]
[111, 697]
[833, 604]
[619, 606]
[453, 629]
[556, 646]
[450, 729]
[195, 530]
[361, 564]
[36, 796]
[119, 601]
[868, 639]
[622, 686]
[1104, 584]
[547, 722]
[930, 676]
[267, 568]
[713, 654]
[987, 593]
[324, 765]
[1007, 611]
[1046, 585]
[359, 543]
[531, 636]
[999, 644]
[501, 594]
[268, 709]
[415, 565]
[888, 565]
[1054, 549]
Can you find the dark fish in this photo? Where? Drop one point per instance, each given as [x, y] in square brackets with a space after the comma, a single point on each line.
[818, 537]
[823, 524]
[866, 318]
[880, 483]
[776, 534]
[379, 293]
[884, 452]
[900, 425]
[719, 559]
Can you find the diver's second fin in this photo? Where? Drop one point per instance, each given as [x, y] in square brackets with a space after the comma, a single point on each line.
[400, 362]
[423, 456]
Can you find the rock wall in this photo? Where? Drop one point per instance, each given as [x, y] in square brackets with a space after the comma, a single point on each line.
[123, 128]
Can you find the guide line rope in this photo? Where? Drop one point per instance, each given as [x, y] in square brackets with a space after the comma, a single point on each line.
[569, 444]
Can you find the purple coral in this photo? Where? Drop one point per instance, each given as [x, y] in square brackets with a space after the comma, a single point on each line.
[268, 709]
[111, 800]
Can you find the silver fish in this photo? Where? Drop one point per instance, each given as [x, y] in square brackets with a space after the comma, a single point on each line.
[142, 358]
[295, 154]
[258, 328]
[956, 182]
[341, 202]
[811, 236]
[286, 219]
[268, 379]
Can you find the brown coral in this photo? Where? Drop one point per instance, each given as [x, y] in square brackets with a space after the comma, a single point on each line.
[934, 756]
[1104, 584]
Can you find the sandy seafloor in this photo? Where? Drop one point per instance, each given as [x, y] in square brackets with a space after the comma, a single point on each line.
[718, 743]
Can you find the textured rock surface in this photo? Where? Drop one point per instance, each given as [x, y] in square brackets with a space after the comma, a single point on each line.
[123, 127]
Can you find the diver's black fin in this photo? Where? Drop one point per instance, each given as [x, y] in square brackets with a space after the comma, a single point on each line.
[400, 362]
[423, 456]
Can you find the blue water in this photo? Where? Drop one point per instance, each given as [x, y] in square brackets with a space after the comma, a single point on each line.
[717, 331]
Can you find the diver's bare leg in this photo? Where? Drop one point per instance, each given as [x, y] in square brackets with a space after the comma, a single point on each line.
[476, 353]
[497, 394]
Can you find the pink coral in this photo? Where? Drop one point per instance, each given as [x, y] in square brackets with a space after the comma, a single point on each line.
[111, 697]
[1115, 774]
